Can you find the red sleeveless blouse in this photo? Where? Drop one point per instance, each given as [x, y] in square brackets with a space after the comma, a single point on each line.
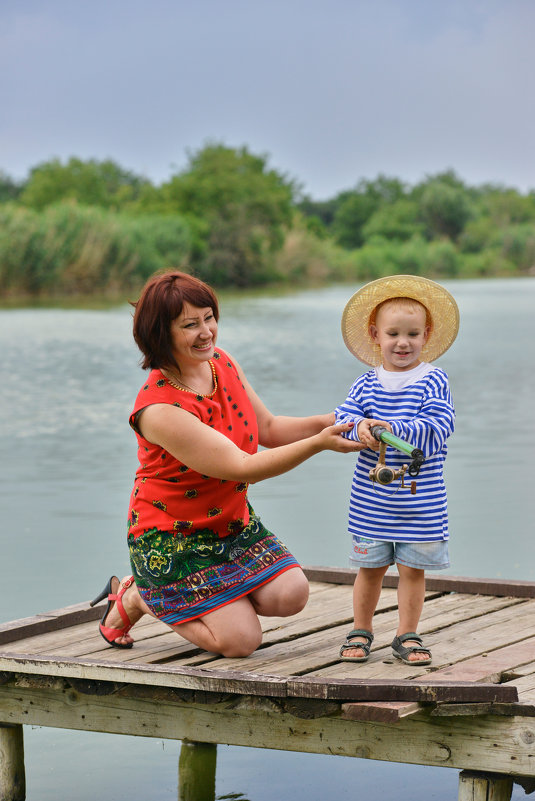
[170, 496]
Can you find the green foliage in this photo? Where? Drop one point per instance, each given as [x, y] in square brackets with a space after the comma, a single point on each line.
[308, 258]
[487, 264]
[516, 245]
[506, 206]
[91, 183]
[380, 257]
[93, 227]
[444, 210]
[442, 260]
[357, 207]
[70, 249]
[245, 207]
[400, 221]
[476, 235]
[353, 213]
[9, 189]
[323, 210]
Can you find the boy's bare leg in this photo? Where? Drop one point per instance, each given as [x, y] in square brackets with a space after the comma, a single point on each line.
[366, 592]
[411, 594]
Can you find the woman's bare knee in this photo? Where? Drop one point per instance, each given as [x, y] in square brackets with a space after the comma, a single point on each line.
[240, 644]
[284, 596]
[296, 596]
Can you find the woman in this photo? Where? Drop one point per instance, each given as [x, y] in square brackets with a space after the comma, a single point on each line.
[202, 561]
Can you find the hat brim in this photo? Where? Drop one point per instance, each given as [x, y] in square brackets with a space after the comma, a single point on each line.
[440, 304]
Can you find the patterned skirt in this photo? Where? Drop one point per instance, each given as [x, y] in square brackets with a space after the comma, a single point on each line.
[181, 578]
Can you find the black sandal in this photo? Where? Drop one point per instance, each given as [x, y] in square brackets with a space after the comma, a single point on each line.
[364, 646]
[403, 652]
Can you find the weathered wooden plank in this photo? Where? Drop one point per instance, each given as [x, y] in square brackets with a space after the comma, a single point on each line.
[523, 670]
[61, 619]
[282, 642]
[453, 742]
[431, 691]
[317, 653]
[49, 621]
[82, 639]
[261, 684]
[166, 646]
[491, 663]
[526, 690]
[191, 678]
[450, 710]
[485, 668]
[458, 641]
[332, 609]
[332, 603]
[380, 711]
[482, 586]
[525, 683]
[161, 649]
[527, 697]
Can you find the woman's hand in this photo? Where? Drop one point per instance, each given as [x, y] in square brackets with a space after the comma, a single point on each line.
[365, 435]
[333, 440]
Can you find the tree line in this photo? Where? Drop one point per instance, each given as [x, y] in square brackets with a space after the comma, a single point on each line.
[93, 227]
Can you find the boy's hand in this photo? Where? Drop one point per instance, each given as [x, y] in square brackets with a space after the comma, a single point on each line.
[365, 435]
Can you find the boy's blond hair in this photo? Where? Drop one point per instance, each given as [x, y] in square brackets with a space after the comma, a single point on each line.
[409, 304]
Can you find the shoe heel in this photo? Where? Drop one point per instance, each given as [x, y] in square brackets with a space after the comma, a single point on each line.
[101, 596]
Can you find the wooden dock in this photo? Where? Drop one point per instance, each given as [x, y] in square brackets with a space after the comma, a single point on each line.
[473, 709]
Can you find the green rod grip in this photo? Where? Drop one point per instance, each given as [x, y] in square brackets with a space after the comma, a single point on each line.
[390, 439]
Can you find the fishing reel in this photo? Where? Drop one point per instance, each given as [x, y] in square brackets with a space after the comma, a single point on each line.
[381, 473]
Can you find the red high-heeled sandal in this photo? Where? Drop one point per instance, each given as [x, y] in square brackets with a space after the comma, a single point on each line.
[109, 634]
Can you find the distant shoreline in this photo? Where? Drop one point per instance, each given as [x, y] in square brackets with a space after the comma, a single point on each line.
[108, 300]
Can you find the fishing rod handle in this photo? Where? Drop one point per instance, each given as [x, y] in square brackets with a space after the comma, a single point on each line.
[376, 432]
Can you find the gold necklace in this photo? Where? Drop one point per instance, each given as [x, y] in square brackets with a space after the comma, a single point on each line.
[186, 388]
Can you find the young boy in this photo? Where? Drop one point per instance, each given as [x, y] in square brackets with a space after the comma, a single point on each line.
[399, 325]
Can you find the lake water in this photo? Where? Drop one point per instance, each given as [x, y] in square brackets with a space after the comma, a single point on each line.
[69, 378]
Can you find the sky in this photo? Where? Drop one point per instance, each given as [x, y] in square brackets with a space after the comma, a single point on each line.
[331, 91]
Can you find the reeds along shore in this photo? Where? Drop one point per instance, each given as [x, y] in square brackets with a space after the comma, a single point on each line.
[85, 228]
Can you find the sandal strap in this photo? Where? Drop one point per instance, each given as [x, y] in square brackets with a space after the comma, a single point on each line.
[406, 650]
[360, 633]
[120, 608]
[364, 646]
[410, 635]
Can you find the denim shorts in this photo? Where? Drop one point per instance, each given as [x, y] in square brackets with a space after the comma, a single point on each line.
[380, 553]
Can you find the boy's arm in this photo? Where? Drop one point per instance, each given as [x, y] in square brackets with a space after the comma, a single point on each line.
[435, 421]
[350, 411]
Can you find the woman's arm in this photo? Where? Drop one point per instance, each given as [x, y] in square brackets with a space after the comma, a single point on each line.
[208, 452]
[276, 430]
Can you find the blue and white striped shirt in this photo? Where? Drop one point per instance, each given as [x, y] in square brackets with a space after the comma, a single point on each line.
[423, 414]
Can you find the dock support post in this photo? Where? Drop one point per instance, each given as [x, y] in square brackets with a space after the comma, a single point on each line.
[196, 771]
[476, 786]
[12, 775]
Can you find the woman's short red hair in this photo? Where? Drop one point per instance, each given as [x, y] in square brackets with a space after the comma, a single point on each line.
[161, 301]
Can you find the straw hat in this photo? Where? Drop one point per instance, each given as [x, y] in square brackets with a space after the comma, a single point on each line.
[441, 306]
